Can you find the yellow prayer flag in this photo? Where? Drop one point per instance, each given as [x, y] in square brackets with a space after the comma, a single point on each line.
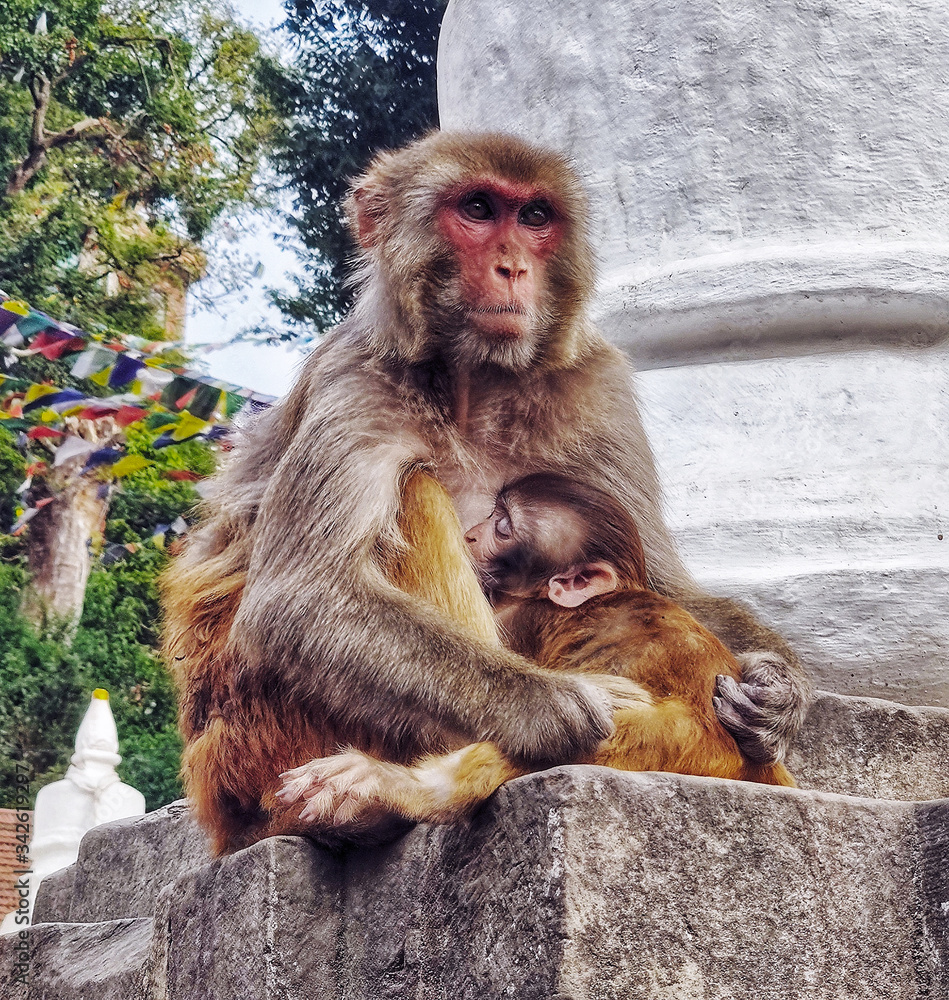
[188, 426]
[36, 390]
[129, 464]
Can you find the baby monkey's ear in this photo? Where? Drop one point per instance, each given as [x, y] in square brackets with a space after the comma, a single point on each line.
[580, 583]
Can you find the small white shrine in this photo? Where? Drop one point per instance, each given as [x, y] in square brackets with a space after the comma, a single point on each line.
[89, 794]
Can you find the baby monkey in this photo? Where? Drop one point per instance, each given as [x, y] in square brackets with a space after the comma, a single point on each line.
[563, 565]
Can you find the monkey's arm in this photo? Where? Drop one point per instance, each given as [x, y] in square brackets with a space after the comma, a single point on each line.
[319, 624]
[766, 709]
[356, 789]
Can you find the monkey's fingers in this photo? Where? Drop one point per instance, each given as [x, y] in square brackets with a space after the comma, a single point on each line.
[342, 787]
[297, 783]
[750, 723]
[331, 807]
[625, 693]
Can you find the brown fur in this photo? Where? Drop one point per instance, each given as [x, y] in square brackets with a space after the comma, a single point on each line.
[283, 630]
[639, 634]
[632, 633]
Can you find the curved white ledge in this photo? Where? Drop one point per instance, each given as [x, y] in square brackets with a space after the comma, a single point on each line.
[778, 302]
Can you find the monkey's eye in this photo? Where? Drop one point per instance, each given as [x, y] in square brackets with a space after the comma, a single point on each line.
[502, 527]
[535, 214]
[477, 207]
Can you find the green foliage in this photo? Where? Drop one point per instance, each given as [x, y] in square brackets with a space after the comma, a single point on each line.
[47, 682]
[126, 130]
[46, 679]
[363, 80]
[11, 475]
[42, 694]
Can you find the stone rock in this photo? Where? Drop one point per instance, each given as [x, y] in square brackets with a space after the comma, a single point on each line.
[101, 961]
[262, 923]
[584, 883]
[123, 866]
[874, 748]
[579, 883]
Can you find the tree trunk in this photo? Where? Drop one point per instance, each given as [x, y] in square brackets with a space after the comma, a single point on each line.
[59, 556]
[24, 172]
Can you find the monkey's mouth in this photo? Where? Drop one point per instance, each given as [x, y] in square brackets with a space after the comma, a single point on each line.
[500, 310]
[508, 321]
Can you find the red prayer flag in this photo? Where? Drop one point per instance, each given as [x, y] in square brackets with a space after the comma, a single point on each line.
[42, 432]
[96, 412]
[129, 415]
[186, 398]
[53, 344]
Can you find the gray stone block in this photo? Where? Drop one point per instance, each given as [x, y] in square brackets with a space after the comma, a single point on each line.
[580, 883]
[101, 961]
[875, 748]
[16, 955]
[55, 897]
[259, 925]
[583, 883]
[594, 885]
[123, 866]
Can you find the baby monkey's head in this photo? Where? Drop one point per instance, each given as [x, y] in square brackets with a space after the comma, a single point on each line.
[551, 536]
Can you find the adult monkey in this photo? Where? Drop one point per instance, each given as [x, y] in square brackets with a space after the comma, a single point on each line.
[309, 609]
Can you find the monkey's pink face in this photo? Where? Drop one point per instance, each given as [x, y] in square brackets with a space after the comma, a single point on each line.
[489, 539]
[503, 235]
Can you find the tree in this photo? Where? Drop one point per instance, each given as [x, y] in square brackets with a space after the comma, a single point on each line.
[127, 127]
[126, 130]
[47, 675]
[363, 80]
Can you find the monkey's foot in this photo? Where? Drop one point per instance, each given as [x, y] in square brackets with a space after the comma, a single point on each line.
[349, 787]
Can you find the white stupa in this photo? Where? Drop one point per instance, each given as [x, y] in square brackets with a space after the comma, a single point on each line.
[768, 186]
[89, 794]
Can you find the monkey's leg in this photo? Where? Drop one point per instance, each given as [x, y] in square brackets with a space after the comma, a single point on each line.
[669, 736]
[435, 566]
[352, 787]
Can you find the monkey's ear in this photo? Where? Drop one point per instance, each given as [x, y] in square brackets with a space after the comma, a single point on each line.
[580, 583]
[369, 207]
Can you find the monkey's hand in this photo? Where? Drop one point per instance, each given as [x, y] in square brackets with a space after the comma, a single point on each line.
[766, 709]
[624, 693]
[348, 789]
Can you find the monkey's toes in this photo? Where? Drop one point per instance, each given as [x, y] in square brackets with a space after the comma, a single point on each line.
[296, 784]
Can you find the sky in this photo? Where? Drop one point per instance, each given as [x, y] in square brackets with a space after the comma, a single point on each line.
[263, 368]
